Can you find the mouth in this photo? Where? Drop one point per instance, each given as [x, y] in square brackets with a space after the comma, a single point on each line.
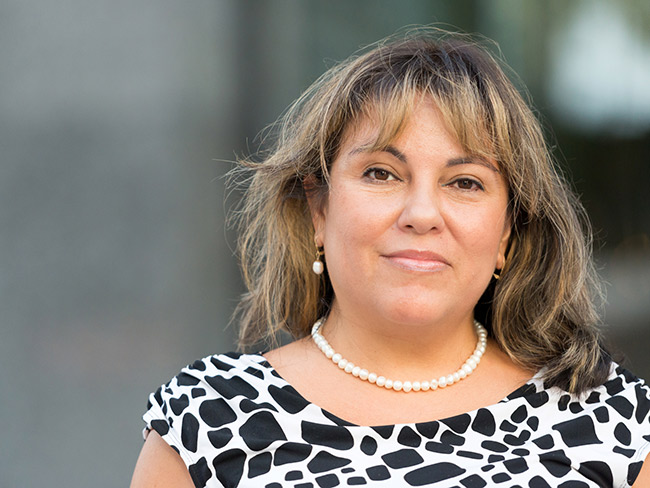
[414, 260]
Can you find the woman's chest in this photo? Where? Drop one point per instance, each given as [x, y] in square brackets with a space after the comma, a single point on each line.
[470, 450]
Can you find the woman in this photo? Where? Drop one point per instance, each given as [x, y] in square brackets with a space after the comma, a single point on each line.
[410, 232]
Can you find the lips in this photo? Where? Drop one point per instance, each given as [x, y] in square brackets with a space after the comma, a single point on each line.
[415, 260]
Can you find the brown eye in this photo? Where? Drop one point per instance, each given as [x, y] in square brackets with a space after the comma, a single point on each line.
[465, 184]
[379, 174]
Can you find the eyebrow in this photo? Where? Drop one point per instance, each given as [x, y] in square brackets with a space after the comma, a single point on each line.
[368, 148]
[474, 160]
[450, 163]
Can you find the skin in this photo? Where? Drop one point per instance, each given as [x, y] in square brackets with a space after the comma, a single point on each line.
[412, 235]
[159, 466]
[421, 195]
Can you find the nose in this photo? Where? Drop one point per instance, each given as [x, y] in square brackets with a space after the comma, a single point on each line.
[421, 212]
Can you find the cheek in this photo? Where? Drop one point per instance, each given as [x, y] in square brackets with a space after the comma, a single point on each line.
[346, 222]
[351, 213]
[355, 227]
[481, 232]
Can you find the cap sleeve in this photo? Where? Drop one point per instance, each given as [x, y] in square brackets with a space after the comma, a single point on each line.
[630, 416]
[168, 415]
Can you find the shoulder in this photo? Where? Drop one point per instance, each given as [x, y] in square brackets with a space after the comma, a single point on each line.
[219, 409]
[624, 393]
[619, 413]
[628, 400]
[228, 375]
[603, 433]
[208, 393]
[225, 376]
[623, 397]
[605, 429]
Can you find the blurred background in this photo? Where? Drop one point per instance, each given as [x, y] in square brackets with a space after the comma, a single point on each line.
[118, 121]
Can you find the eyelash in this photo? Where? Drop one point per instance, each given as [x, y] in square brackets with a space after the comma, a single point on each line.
[371, 173]
[472, 181]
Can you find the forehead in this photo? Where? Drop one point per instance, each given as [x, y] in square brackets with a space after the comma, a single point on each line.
[377, 129]
[424, 128]
[382, 119]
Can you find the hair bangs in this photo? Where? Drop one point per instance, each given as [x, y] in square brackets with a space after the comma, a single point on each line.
[390, 111]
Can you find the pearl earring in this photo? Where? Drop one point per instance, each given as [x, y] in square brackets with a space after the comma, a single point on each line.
[317, 266]
[500, 270]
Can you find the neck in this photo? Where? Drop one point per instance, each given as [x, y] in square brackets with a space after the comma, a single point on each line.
[398, 349]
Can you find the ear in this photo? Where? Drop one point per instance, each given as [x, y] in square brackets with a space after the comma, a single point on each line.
[317, 208]
[503, 245]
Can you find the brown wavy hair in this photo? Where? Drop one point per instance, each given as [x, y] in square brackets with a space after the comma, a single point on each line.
[542, 312]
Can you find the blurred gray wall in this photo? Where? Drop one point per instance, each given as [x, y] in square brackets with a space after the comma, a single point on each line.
[118, 121]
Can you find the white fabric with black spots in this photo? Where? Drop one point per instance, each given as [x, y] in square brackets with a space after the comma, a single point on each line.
[237, 423]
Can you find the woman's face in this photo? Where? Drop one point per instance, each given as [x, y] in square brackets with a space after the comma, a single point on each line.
[412, 233]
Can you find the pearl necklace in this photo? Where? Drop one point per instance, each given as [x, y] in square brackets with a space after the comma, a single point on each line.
[465, 370]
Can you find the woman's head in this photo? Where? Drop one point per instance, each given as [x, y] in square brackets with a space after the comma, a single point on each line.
[412, 232]
[545, 289]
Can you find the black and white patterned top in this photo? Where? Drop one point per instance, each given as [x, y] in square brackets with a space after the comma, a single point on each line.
[237, 423]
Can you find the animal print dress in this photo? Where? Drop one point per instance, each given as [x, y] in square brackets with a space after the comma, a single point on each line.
[236, 423]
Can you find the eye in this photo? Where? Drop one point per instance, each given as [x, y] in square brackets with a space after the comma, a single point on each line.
[379, 174]
[467, 184]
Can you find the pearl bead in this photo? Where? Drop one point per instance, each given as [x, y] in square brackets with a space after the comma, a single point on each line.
[317, 267]
[465, 370]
